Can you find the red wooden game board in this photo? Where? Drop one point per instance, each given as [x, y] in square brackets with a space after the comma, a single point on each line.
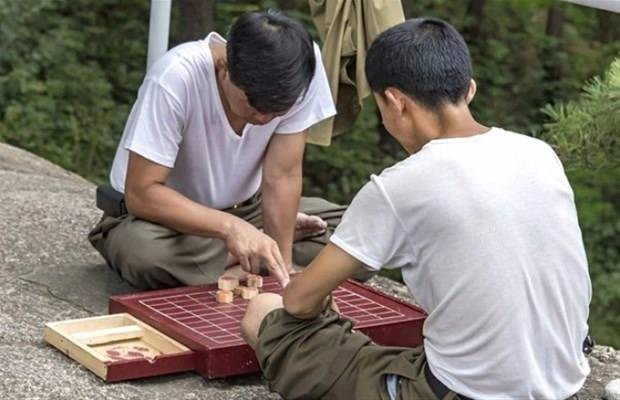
[193, 317]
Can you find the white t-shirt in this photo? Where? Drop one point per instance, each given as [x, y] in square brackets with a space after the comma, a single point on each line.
[178, 121]
[486, 232]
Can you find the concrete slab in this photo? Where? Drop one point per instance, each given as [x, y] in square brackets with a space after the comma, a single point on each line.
[44, 222]
[86, 286]
[26, 308]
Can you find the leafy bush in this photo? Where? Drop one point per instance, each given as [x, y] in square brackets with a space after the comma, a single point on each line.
[586, 135]
[69, 70]
[586, 132]
[597, 194]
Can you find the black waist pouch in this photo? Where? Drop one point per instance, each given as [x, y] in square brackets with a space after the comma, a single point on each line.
[111, 202]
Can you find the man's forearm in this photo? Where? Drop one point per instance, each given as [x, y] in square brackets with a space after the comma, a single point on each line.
[161, 204]
[280, 204]
[312, 309]
[305, 296]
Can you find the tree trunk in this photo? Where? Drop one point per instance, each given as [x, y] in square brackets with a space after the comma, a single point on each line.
[555, 30]
[608, 26]
[409, 9]
[552, 64]
[475, 9]
[475, 17]
[196, 19]
[555, 22]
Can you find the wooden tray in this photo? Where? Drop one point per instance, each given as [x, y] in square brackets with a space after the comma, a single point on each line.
[119, 347]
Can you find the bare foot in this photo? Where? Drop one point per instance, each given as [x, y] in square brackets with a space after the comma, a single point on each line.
[308, 225]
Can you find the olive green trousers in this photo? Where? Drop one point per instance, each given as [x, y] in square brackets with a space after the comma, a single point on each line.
[151, 256]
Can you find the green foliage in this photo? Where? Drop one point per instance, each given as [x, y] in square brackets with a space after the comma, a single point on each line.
[586, 132]
[68, 75]
[597, 195]
[586, 135]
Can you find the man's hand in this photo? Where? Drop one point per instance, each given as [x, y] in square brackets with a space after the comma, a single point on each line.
[252, 248]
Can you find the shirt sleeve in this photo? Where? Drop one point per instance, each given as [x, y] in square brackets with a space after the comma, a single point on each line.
[371, 230]
[315, 106]
[156, 124]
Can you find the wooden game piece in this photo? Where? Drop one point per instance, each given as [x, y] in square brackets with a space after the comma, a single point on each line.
[248, 293]
[255, 281]
[228, 283]
[238, 289]
[224, 296]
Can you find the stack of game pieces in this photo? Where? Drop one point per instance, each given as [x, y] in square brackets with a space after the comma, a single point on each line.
[226, 285]
[229, 287]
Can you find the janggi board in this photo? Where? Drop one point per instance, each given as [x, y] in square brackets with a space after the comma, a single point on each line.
[193, 317]
[183, 329]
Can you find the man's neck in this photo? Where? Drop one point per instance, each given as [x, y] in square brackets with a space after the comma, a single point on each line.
[452, 122]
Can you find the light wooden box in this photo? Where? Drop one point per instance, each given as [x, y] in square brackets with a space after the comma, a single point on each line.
[119, 347]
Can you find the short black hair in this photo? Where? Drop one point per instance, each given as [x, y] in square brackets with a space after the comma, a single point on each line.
[271, 58]
[425, 58]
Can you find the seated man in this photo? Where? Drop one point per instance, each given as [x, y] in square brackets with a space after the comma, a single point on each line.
[482, 222]
[210, 162]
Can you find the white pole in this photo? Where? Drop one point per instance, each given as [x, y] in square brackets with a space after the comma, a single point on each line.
[159, 30]
[609, 5]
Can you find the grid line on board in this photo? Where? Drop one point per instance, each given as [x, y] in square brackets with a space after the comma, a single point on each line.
[342, 300]
[231, 337]
[199, 311]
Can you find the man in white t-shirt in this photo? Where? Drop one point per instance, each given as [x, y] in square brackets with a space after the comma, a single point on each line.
[482, 222]
[210, 162]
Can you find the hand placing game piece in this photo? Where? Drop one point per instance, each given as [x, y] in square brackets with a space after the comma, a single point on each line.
[224, 296]
[255, 281]
[228, 283]
[248, 293]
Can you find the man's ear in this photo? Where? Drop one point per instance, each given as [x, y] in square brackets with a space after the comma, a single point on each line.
[394, 98]
[471, 92]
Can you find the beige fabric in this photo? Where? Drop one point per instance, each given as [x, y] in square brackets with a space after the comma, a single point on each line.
[347, 28]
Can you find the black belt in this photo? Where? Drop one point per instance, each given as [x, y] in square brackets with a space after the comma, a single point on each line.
[440, 390]
[255, 197]
[112, 202]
